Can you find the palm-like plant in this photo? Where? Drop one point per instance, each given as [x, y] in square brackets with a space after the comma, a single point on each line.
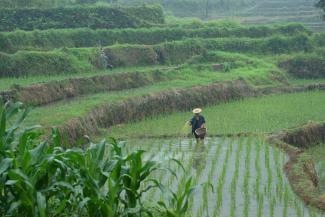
[43, 179]
[178, 203]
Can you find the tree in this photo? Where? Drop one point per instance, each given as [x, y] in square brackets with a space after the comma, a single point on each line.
[321, 4]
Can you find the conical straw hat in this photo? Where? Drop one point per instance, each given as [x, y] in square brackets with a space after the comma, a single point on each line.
[197, 110]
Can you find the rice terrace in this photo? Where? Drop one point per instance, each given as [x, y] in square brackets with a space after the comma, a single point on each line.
[162, 108]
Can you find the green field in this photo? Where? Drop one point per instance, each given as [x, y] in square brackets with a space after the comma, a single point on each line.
[57, 113]
[256, 115]
[246, 174]
[131, 73]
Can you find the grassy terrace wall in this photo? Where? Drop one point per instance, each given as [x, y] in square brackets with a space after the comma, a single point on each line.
[107, 115]
[76, 17]
[75, 60]
[44, 93]
[305, 66]
[56, 38]
[300, 168]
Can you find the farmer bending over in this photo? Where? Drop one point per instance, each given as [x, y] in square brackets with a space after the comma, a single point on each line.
[197, 122]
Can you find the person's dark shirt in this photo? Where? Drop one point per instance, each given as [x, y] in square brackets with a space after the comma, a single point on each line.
[197, 123]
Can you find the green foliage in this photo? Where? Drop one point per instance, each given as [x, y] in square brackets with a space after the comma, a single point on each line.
[195, 8]
[56, 38]
[43, 179]
[72, 60]
[178, 203]
[77, 17]
[131, 55]
[152, 13]
[266, 114]
[25, 63]
[33, 3]
[319, 39]
[305, 66]
[321, 4]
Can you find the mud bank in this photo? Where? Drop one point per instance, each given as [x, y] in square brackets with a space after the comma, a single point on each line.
[44, 93]
[300, 168]
[138, 108]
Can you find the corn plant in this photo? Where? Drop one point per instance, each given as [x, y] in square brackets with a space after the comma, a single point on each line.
[177, 203]
[33, 176]
[40, 178]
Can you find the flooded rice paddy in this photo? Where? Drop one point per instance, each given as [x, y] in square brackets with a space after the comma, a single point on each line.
[246, 174]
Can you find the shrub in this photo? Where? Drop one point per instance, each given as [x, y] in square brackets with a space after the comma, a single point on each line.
[305, 66]
[150, 13]
[131, 55]
[280, 44]
[25, 63]
[179, 51]
[76, 17]
[85, 37]
[319, 39]
[71, 60]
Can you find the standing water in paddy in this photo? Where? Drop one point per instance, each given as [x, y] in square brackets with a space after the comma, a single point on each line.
[136, 71]
[246, 174]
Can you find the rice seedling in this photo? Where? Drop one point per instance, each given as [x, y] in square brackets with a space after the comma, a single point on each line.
[272, 206]
[246, 186]
[268, 168]
[228, 164]
[268, 114]
[156, 177]
[298, 208]
[214, 161]
[220, 182]
[279, 172]
[286, 201]
[260, 206]
[237, 188]
[257, 169]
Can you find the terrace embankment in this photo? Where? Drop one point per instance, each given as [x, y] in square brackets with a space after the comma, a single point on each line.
[108, 115]
[11, 42]
[305, 65]
[300, 168]
[44, 93]
[75, 60]
[76, 17]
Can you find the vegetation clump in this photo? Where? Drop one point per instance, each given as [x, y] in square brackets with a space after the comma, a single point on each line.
[300, 168]
[305, 66]
[86, 37]
[41, 178]
[74, 60]
[77, 17]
